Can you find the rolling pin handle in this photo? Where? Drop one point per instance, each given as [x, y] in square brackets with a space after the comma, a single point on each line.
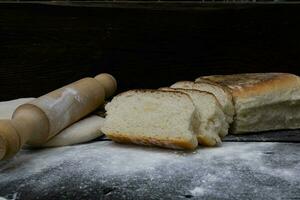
[9, 139]
[108, 82]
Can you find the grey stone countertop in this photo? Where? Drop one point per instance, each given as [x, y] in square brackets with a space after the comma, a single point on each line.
[106, 170]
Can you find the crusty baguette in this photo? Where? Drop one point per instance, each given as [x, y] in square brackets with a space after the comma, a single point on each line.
[212, 120]
[152, 117]
[263, 101]
[221, 93]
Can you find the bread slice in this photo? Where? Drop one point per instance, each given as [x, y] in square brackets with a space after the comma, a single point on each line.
[221, 93]
[263, 101]
[212, 121]
[152, 117]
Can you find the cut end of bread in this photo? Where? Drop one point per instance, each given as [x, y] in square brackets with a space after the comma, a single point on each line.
[212, 121]
[221, 93]
[152, 117]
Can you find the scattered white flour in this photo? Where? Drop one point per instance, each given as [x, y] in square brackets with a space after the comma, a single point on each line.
[233, 169]
[113, 159]
[197, 191]
[233, 158]
[14, 196]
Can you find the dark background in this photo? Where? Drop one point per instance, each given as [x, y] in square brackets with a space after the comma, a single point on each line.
[45, 45]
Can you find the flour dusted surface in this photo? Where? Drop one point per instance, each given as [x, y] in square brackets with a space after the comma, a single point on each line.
[105, 170]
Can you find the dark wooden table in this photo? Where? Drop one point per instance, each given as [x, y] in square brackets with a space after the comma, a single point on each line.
[45, 45]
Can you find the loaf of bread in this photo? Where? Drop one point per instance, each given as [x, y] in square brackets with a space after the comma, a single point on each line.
[152, 117]
[212, 121]
[263, 101]
[221, 93]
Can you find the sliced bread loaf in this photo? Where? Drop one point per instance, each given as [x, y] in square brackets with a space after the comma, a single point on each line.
[223, 96]
[263, 101]
[152, 117]
[213, 125]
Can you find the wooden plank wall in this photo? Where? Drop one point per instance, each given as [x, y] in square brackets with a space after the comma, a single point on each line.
[43, 47]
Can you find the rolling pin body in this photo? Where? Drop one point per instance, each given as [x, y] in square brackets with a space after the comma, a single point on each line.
[36, 122]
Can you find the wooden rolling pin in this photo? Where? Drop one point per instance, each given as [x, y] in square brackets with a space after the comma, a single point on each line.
[36, 122]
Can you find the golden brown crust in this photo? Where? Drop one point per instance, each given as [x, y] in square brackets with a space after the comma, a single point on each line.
[208, 142]
[150, 141]
[199, 91]
[245, 85]
[241, 79]
[224, 88]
